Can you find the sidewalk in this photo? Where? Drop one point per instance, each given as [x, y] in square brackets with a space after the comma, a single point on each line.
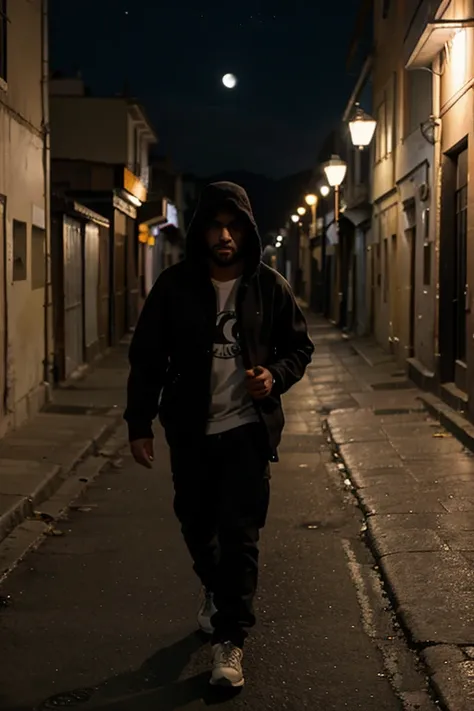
[415, 485]
[40, 455]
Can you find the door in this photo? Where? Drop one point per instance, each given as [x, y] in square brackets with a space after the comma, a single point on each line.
[133, 282]
[460, 272]
[352, 325]
[3, 314]
[91, 289]
[73, 291]
[411, 239]
[104, 287]
[120, 276]
[391, 254]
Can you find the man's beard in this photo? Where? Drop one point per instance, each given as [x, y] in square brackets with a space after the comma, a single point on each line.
[225, 261]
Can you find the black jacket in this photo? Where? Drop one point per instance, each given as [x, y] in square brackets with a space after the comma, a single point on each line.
[171, 350]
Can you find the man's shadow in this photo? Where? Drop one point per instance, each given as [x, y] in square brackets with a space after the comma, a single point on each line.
[155, 685]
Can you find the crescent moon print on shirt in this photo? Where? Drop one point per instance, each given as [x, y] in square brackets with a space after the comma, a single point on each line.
[226, 337]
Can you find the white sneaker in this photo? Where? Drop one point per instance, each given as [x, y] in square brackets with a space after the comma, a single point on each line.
[227, 669]
[206, 611]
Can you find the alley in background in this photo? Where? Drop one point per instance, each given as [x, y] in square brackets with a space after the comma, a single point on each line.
[105, 614]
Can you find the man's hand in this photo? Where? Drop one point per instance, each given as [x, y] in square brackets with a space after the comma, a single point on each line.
[142, 452]
[259, 382]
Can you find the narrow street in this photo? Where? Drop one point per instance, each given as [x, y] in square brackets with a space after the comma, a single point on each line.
[104, 616]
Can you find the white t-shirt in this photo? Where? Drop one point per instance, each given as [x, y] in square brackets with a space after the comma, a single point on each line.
[231, 405]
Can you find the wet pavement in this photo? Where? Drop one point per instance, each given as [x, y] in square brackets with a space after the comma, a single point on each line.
[37, 456]
[104, 615]
[415, 484]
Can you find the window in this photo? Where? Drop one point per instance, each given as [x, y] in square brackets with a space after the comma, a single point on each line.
[427, 251]
[418, 99]
[3, 40]
[460, 245]
[385, 115]
[20, 270]
[427, 264]
[38, 241]
[381, 134]
[386, 273]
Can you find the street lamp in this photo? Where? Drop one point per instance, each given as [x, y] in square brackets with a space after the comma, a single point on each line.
[362, 128]
[324, 190]
[301, 211]
[295, 218]
[335, 170]
[312, 201]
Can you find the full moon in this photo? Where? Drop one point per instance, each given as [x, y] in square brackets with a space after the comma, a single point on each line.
[229, 81]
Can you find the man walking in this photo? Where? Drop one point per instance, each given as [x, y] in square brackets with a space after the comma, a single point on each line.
[219, 340]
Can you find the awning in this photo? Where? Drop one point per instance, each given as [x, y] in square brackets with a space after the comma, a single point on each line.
[332, 233]
[421, 52]
[329, 218]
[357, 215]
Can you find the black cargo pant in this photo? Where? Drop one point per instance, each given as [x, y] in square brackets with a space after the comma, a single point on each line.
[221, 500]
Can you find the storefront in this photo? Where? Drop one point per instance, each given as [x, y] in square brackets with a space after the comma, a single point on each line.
[161, 245]
[80, 284]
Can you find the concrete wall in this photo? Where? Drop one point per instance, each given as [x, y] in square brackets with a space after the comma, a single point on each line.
[92, 129]
[22, 183]
[404, 169]
[388, 40]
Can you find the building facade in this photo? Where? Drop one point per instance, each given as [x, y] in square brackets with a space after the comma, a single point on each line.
[100, 158]
[403, 264]
[25, 307]
[420, 275]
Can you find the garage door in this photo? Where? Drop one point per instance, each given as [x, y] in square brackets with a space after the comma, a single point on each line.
[73, 303]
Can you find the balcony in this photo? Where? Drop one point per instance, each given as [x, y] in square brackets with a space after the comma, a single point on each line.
[428, 33]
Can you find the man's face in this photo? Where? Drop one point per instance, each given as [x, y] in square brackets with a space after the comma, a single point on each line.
[224, 238]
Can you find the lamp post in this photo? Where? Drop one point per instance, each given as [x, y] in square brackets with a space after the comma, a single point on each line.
[335, 170]
[312, 201]
[362, 128]
[294, 248]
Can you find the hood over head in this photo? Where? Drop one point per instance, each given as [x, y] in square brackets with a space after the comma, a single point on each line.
[221, 196]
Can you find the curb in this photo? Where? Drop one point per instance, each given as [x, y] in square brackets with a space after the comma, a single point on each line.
[453, 422]
[435, 685]
[371, 363]
[24, 508]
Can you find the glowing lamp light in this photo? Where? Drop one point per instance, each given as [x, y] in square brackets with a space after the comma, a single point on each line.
[279, 239]
[324, 190]
[335, 170]
[295, 218]
[134, 200]
[301, 211]
[311, 199]
[362, 128]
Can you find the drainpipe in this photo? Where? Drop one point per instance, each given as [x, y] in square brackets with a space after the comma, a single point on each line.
[47, 186]
[436, 203]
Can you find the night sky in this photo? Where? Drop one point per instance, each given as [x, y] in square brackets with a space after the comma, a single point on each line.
[288, 55]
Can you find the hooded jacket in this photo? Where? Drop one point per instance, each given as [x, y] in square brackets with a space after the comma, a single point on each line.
[172, 347]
